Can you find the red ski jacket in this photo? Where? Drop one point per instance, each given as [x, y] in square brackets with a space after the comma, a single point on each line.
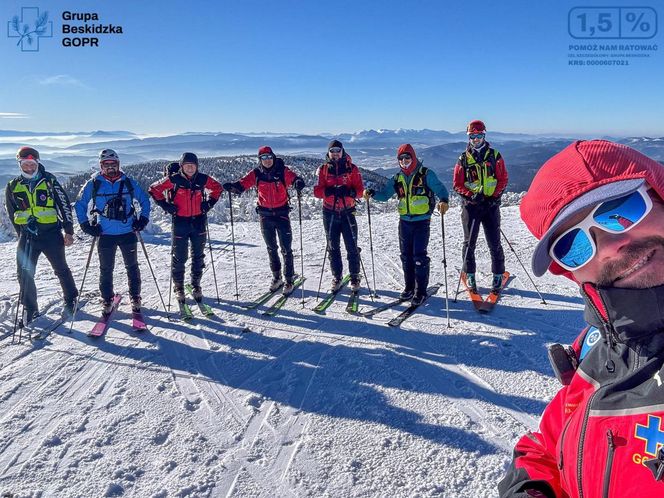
[331, 175]
[186, 194]
[271, 183]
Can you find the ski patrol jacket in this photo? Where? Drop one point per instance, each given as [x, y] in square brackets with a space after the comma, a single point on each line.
[186, 194]
[126, 189]
[416, 189]
[272, 186]
[340, 173]
[603, 433]
[41, 197]
[481, 171]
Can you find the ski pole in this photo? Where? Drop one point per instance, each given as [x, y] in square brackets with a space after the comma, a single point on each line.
[299, 213]
[214, 272]
[170, 277]
[21, 292]
[371, 250]
[465, 255]
[447, 297]
[350, 224]
[524, 268]
[80, 289]
[147, 258]
[230, 205]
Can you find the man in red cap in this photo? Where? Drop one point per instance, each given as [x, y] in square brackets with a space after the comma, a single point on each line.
[597, 209]
[272, 179]
[480, 178]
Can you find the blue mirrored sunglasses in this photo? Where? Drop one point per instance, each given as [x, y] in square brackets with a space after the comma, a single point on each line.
[575, 247]
[265, 157]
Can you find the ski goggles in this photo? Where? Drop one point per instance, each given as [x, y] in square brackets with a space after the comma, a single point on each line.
[265, 157]
[335, 150]
[473, 136]
[404, 157]
[575, 247]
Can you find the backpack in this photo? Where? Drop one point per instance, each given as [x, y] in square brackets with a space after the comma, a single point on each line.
[115, 208]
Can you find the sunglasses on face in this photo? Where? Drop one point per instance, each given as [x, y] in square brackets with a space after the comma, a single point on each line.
[575, 247]
[265, 157]
[474, 136]
[335, 150]
[404, 157]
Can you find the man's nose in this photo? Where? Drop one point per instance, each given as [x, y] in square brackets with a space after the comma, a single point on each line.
[609, 244]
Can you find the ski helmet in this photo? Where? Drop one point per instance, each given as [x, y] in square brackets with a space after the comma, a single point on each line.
[476, 126]
[27, 153]
[108, 155]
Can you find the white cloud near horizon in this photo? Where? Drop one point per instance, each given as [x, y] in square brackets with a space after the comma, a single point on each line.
[62, 80]
[12, 115]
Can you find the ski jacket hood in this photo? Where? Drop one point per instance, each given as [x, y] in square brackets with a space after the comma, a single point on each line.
[407, 149]
[581, 167]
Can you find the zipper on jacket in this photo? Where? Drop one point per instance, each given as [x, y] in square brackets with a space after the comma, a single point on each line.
[609, 463]
[562, 445]
[582, 437]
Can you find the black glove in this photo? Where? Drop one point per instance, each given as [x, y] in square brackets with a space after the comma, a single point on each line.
[351, 193]
[140, 223]
[234, 188]
[206, 206]
[477, 197]
[338, 191]
[94, 230]
[369, 192]
[168, 207]
[298, 184]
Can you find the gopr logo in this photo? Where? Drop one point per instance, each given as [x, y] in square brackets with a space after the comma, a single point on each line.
[29, 28]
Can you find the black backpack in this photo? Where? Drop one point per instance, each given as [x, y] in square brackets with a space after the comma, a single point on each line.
[115, 208]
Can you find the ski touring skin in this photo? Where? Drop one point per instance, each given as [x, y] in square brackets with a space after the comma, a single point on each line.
[475, 296]
[204, 308]
[493, 296]
[331, 296]
[401, 317]
[100, 327]
[274, 309]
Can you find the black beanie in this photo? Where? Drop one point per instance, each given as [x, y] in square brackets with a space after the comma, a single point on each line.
[188, 157]
[334, 143]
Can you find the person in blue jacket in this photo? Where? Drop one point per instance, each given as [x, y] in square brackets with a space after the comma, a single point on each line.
[107, 208]
[416, 188]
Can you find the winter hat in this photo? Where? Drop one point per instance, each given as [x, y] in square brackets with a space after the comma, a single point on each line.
[188, 157]
[334, 143]
[265, 149]
[27, 153]
[407, 149]
[582, 175]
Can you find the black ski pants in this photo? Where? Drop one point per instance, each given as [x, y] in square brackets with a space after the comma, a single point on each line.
[52, 245]
[106, 248]
[487, 215]
[185, 231]
[336, 224]
[273, 227]
[413, 243]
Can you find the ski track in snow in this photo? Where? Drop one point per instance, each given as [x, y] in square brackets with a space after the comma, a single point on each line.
[298, 404]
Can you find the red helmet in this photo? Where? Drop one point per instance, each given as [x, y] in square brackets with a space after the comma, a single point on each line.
[27, 153]
[476, 126]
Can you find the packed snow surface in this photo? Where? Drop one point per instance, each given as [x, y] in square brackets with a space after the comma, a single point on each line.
[295, 405]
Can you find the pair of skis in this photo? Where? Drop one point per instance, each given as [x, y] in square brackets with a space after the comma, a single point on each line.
[279, 303]
[484, 305]
[38, 330]
[100, 328]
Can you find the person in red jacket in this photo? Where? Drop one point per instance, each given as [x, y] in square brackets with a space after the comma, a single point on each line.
[188, 195]
[480, 178]
[603, 433]
[339, 184]
[272, 179]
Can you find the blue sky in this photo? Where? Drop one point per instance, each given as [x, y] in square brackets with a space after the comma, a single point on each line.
[311, 67]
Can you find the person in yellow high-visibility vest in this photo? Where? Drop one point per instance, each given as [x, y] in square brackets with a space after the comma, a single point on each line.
[39, 209]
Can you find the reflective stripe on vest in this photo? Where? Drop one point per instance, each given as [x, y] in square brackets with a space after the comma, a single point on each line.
[417, 195]
[486, 181]
[41, 204]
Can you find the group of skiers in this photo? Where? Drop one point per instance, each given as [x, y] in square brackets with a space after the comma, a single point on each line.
[113, 208]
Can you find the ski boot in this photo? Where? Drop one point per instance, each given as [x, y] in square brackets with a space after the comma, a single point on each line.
[335, 285]
[276, 282]
[288, 286]
[496, 283]
[68, 309]
[179, 294]
[107, 307]
[197, 293]
[472, 283]
[419, 298]
[355, 283]
[406, 294]
[136, 304]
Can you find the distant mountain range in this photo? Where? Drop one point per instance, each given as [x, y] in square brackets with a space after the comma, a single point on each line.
[72, 152]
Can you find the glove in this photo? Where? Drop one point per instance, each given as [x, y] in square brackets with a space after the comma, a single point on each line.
[369, 193]
[234, 188]
[337, 191]
[443, 207]
[298, 184]
[477, 197]
[169, 207]
[206, 206]
[140, 223]
[94, 230]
